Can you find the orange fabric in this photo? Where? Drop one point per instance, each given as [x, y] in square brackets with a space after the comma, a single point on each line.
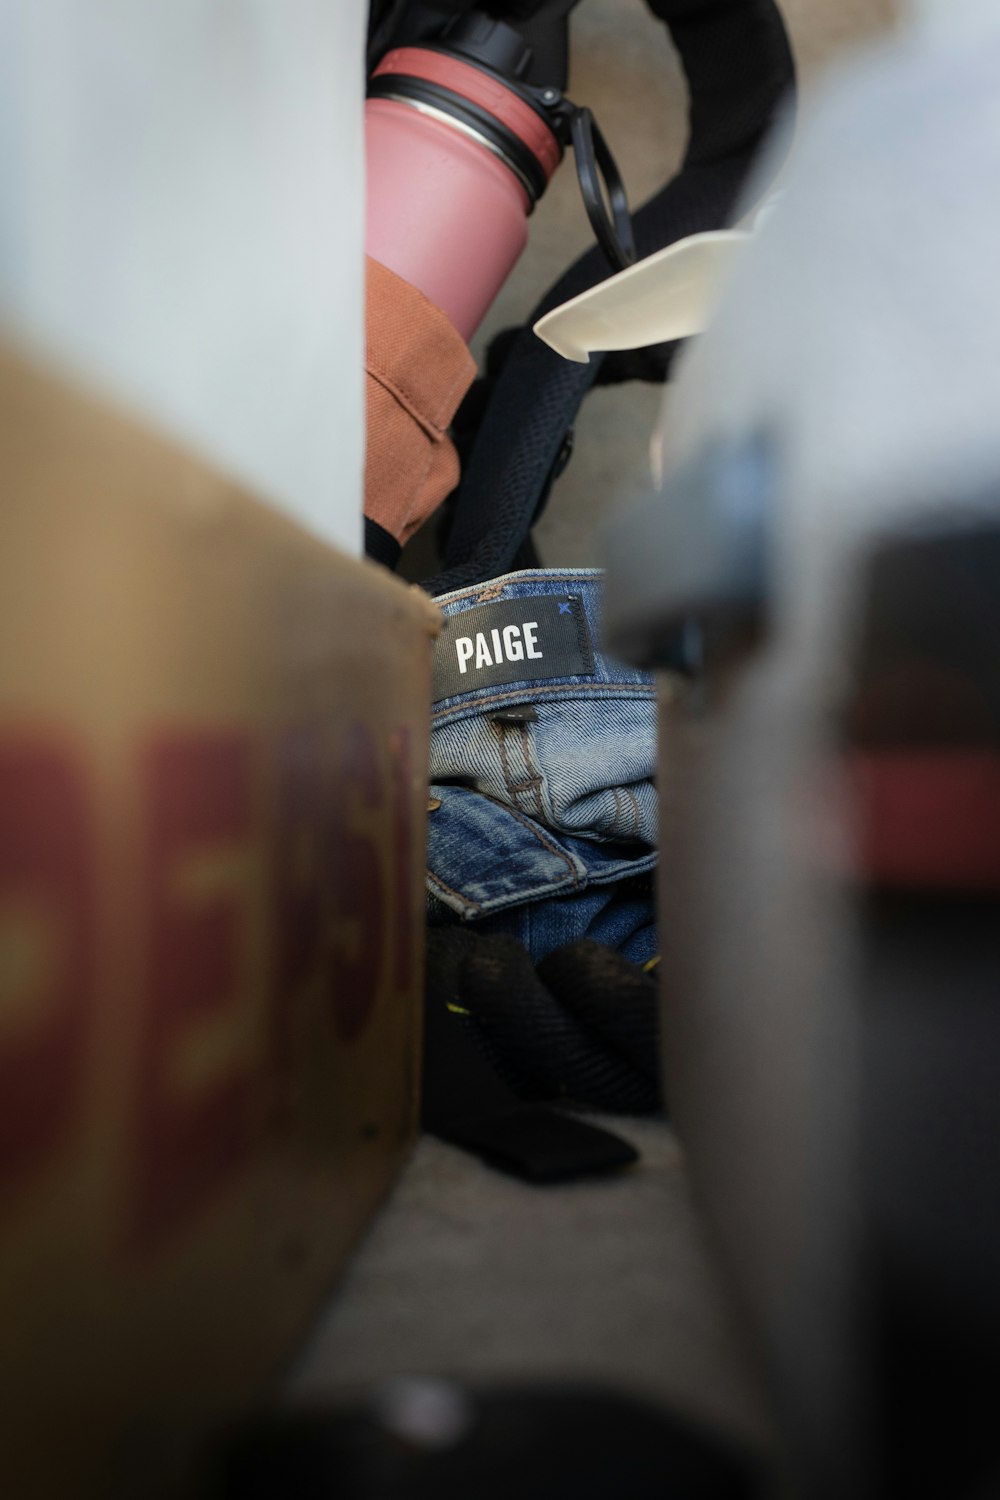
[418, 368]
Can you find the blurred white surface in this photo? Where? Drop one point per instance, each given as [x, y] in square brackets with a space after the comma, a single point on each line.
[181, 223]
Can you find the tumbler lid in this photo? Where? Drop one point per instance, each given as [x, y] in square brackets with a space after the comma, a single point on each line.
[484, 40]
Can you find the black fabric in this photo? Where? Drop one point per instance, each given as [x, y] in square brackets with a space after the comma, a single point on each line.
[583, 1027]
[540, 1144]
[651, 364]
[542, 24]
[739, 68]
[617, 1004]
[516, 1442]
[380, 545]
[465, 1100]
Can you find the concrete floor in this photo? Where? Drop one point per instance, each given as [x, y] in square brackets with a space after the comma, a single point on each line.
[467, 1273]
[474, 1276]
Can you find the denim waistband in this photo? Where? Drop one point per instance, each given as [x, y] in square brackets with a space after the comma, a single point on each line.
[542, 786]
[607, 678]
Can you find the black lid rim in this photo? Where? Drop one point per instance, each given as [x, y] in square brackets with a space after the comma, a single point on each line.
[528, 93]
[526, 166]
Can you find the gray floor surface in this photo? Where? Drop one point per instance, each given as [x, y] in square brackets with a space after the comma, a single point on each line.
[473, 1275]
[466, 1273]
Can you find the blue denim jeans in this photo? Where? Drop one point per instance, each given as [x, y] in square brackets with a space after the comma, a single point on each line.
[543, 806]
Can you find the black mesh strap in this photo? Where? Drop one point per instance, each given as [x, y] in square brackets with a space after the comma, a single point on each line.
[466, 1100]
[583, 1027]
[739, 69]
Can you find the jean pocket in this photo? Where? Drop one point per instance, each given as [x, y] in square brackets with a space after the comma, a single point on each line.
[484, 857]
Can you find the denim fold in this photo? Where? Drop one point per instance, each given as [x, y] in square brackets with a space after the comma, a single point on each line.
[543, 801]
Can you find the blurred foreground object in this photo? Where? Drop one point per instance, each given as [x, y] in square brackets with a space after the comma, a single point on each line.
[419, 1439]
[213, 749]
[829, 527]
[181, 223]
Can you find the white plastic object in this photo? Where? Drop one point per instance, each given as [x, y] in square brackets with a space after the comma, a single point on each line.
[669, 295]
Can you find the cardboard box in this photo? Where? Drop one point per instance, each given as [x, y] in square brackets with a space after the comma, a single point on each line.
[213, 742]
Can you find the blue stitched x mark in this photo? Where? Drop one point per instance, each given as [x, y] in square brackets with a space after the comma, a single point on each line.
[564, 609]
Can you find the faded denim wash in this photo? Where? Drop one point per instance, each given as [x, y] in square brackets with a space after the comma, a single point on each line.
[546, 823]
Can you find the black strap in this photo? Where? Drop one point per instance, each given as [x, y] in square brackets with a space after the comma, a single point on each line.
[381, 545]
[582, 1026]
[466, 1102]
[739, 69]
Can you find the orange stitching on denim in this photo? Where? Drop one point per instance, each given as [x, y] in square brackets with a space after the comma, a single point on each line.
[459, 895]
[532, 768]
[536, 832]
[636, 812]
[582, 689]
[454, 595]
[539, 835]
[493, 591]
[500, 731]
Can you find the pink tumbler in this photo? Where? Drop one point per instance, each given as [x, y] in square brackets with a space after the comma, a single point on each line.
[458, 153]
